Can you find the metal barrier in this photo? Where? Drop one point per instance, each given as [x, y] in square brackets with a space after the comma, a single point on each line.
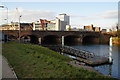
[73, 51]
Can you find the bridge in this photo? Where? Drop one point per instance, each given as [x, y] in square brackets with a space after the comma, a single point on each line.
[55, 37]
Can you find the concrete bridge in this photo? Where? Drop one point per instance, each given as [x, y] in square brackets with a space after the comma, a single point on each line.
[55, 37]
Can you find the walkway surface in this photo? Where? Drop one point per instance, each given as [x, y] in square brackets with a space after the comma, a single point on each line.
[7, 72]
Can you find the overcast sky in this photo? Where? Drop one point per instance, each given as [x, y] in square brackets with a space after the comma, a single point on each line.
[101, 14]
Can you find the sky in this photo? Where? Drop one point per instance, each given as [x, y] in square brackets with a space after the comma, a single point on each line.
[100, 14]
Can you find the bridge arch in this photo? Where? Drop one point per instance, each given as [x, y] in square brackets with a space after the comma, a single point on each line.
[9, 37]
[91, 39]
[51, 39]
[30, 39]
[12, 37]
[72, 39]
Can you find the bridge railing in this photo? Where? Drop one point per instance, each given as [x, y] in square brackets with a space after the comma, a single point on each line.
[78, 52]
[72, 51]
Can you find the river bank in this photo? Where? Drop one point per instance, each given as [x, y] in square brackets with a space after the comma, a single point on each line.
[116, 40]
[32, 61]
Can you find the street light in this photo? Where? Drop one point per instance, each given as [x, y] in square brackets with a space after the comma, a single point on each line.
[19, 27]
[1, 6]
[7, 11]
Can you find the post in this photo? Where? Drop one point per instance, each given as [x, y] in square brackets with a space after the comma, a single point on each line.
[6, 19]
[19, 27]
[110, 50]
[7, 15]
[7, 11]
[7, 22]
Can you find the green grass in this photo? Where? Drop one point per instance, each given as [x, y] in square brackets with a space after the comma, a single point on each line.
[31, 61]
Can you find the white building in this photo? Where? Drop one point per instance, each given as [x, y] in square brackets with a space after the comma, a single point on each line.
[37, 26]
[58, 24]
[64, 17]
[114, 29]
[61, 21]
[68, 27]
[108, 30]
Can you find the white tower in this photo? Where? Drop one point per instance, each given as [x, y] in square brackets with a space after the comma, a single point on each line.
[64, 17]
[64, 20]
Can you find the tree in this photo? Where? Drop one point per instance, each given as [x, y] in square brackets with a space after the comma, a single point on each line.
[118, 30]
[118, 33]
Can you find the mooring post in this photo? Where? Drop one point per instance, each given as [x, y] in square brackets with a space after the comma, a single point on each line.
[110, 50]
[62, 44]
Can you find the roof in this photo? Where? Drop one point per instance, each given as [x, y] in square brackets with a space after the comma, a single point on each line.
[62, 14]
[26, 23]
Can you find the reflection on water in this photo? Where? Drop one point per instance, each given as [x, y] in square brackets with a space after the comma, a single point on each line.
[103, 50]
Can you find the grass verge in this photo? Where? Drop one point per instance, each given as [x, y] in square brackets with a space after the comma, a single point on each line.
[31, 61]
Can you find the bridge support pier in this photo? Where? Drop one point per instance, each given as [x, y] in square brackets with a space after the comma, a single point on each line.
[80, 40]
[62, 40]
[39, 40]
[6, 38]
[62, 44]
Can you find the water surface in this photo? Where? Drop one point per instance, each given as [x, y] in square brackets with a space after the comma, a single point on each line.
[103, 50]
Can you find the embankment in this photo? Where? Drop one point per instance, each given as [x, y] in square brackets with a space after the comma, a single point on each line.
[32, 61]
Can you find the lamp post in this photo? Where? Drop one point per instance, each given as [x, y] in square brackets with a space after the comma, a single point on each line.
[19, 27]
[7, 12]
[1, 6]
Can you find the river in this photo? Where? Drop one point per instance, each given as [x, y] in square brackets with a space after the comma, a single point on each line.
[103, 50]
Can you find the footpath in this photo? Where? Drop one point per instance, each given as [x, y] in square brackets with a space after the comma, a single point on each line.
[7, 71]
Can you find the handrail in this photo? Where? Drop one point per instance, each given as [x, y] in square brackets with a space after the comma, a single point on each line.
[73, 51]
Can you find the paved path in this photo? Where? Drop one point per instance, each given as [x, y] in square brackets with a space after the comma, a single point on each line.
[7, 72]
[0, 64]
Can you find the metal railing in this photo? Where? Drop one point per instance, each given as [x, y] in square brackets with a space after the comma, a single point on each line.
[73, 51]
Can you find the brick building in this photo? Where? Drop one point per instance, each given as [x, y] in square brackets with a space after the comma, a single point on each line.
[91, 28]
